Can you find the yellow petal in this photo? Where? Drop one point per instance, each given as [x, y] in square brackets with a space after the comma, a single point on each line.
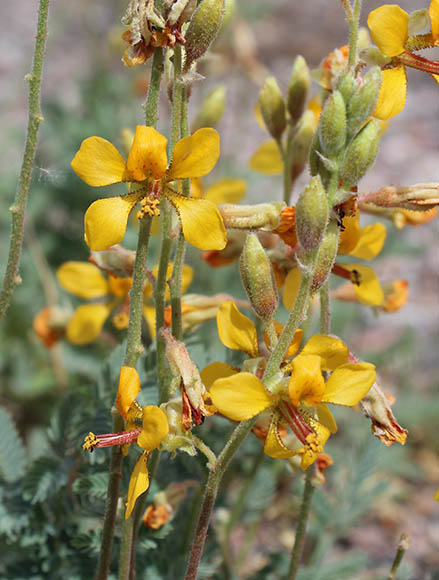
[326, 418]
[236, 331]
[139, 483]
[349, 383]
[119, 286]
[149, 315]
[292, 283]
[105, 221]
[196, 155]
[87, 323]
[128, 389]
[226, 191]
[186, 278]
[240, 397]
[147, 157]
[98, 163]
[155, 428]
[332, 351]
[350, 235]
[82, 279]
[315, 443]
[433, 12]
[201, 222]
[216, 370]
[196, 190]
[267, 159]
[369, 291]
[274, 446]
[388, 27]
[370, 242]
[392, 95]
[306, 383]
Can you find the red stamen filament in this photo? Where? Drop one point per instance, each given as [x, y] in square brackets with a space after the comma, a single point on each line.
[295, 421]
[110, 439]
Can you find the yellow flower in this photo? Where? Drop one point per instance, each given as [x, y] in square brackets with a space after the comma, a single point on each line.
[298, 401]
[99, 163]
[154, 428]
[364, 243]
[106, 295]
[389, 28]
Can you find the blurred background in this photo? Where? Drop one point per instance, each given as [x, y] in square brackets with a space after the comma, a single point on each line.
[88, 91]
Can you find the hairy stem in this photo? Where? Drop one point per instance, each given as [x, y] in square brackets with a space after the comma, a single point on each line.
[152, 100]
[116, 456]
[18, 208]
[325, 313]
[210, 493]
[354, 22]
[301, 525]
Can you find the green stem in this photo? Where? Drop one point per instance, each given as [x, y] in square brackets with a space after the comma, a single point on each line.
[354, 22]
[288, 183]
[134, 344]
[325, 313]
[272, 334]
[126, 549]
[152, 100]
[210, 493]
[301, 526]
[116, 457]
[297, 316]
[166, 245]
[12, 278]
[402, 548]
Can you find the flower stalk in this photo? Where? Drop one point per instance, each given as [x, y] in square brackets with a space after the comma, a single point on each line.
[12, 278]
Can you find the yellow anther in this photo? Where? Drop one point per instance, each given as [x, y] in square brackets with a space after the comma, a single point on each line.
[120, 320]
[90, 442]
[150, 208]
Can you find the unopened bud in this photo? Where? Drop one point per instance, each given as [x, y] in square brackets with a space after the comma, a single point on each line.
[332, 128]
[299, 88]
[211, 110]
[273, 108]
[203, 29]
[264, 216]
[360, 154]
[346, 85]
[117, 261]
[257, 278]
[420, 196]
[311, 214]
[326, 255]
[301, 143]
[363, 101]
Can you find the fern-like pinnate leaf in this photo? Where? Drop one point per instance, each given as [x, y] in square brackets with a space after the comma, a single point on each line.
[12, 452]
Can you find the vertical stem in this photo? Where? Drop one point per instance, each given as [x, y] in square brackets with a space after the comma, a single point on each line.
[210, 493]
[325, 313]
[301, 526]
[402, 548]
[126, 550]
[165, 250]
[12, 278]
[353, 33]
[287, 164]
[152, 100]
[116, 456]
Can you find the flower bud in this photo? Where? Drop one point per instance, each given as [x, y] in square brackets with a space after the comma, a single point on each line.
[301, 143]
[326, 255]
[421, 196]
[273, 108]
[116, 261]
[203, 29]
[363, 101]
[311, 214]
[299, 88]
[346, 85]
[360, 154]
[265, 216]
[332, 128]
[257, 278]
[211, 110]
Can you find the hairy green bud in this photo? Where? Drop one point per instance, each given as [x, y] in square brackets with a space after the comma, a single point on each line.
[326, 254]
[272, 106]
[316, 165]
[299, 88]
[360, 154]
[363, 101]
[301, 143]
[332, 128]
[346, 85]
[203, 29]
[211, 110]
[311, 214]
[258, 279]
